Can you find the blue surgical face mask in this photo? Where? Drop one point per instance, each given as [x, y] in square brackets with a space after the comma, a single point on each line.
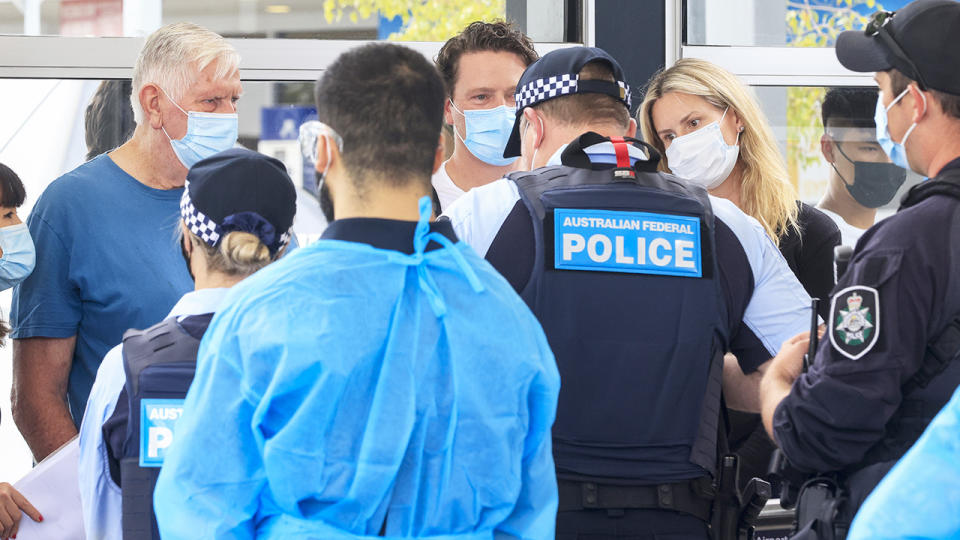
[19, 256]
[207, 134]
[488, 131]
[896, 150]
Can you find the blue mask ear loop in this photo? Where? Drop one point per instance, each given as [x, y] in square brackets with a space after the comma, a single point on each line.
[421, 237]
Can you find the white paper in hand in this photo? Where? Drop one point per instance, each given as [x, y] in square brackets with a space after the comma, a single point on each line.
[52, 488]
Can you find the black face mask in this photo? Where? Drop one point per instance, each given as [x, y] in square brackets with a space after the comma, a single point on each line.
[875, 184]
[326, 202]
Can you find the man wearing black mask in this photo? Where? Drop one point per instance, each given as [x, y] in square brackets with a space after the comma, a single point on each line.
[862, 178]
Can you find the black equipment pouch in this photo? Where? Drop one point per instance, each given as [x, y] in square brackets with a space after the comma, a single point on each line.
[820, 510]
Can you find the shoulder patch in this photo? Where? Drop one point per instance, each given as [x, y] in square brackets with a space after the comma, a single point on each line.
[855, 321]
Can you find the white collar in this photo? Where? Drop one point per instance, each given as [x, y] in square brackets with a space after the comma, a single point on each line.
[199, 302]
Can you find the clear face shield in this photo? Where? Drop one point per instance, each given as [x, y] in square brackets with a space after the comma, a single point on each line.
[310, 132]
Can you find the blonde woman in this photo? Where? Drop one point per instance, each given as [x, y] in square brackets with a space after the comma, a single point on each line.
[710, 130]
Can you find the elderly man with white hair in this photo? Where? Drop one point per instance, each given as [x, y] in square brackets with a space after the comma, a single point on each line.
[104, 231]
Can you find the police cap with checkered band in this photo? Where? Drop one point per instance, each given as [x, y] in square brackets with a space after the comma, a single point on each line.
[239, 190]
[557, 74]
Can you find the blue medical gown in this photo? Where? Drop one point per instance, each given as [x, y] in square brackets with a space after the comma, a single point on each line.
[920, 497]
[346, 385]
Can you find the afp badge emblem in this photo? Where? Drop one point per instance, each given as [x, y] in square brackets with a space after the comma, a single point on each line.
[855, 321]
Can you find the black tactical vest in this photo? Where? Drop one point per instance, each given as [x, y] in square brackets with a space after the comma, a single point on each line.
[159, 363]
[636, 327]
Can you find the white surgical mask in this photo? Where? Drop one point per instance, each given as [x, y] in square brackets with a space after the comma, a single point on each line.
[703, 157]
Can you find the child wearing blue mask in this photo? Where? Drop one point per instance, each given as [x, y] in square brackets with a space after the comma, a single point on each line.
[16, 263]
[17, 255]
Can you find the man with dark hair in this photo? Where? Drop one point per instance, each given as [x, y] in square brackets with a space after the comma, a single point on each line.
[887, 363]
[642, 283]
[862, 177]
[108, 122]
[353, 386]
[480, 68]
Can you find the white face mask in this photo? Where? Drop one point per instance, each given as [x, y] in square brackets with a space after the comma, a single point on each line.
[703, 157]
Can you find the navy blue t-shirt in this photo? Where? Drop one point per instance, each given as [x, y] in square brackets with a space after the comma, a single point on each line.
[107, 260]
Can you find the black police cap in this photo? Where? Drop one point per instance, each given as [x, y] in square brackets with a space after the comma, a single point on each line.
[240, 182]
[555, 74]
[926, 33]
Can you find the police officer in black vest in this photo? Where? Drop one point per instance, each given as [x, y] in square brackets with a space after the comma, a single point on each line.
[641, 282]
[887, 363]
[236, 212]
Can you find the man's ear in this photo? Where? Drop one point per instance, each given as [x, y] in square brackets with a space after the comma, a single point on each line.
[150, 103]
[447, 112]
[826, 148]
[920, 102]
[321, 153]
[632, 129]
[535, 123]
[438, 155]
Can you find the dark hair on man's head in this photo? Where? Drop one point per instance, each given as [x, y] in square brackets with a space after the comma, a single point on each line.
[12, 192]
[588, 108]
[386, 102]
[849, 108]
[109, 119]
[498, 36]
[948, 102]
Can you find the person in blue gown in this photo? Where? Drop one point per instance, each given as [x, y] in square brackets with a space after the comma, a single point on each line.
[920, 496]
[382, 382]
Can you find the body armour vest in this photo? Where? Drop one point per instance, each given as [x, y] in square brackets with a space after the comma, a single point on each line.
[625, 286]
[927, 392]
[159, 363]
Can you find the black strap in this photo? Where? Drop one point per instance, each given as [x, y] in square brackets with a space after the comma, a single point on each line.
[686, 497]
[575, 155]
[940, 352]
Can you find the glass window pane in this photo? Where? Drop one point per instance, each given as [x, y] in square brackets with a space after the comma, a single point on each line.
[795, 115]
[771, 23]
[403, 20]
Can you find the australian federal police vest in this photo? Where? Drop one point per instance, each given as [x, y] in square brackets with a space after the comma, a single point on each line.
[625, 286]
[159, 363]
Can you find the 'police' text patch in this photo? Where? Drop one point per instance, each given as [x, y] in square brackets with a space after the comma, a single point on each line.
[855, 321]
[157, 419]
[620, 241]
